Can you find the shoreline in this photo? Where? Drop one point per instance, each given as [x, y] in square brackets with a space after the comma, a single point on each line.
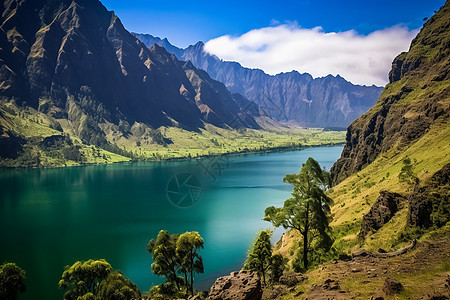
[183, 158]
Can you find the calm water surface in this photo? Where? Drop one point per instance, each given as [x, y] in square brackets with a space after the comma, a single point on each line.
[50, 218]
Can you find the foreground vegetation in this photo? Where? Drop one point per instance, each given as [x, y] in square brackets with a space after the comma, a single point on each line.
[96, 279]
[12, 281]
[37, 140]
[175, 255]
[262, 260]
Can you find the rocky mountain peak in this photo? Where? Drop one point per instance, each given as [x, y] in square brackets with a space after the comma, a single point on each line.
[289, 97]
[75, 60]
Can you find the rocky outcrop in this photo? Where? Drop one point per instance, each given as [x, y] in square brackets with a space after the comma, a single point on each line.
[274, 292]
[384, 208]
[430, 204]
[392, 286]
[291, 279]
[410, 104]
[242, 285]
[330, 289]
[329, 101]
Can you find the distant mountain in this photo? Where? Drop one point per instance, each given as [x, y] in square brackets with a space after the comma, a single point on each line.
[74, 60]
[329, 101]
[149, 40]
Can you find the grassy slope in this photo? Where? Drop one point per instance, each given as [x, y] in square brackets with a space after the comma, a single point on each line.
[353, 198]
[33, 125]
[214, 140]
[422, 272]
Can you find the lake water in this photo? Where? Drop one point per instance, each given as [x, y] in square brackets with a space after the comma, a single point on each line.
[50, 218]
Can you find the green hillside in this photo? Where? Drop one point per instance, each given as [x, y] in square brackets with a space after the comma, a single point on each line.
[32, 138]
[391, 185]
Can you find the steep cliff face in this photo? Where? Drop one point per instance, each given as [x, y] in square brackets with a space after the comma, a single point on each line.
[74, 60]
[417, 98]
[291, 97]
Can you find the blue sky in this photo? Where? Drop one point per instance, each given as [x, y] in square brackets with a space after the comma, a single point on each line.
[186, 22]
[355, 39]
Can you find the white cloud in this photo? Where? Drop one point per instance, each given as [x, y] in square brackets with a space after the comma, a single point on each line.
[361, 59]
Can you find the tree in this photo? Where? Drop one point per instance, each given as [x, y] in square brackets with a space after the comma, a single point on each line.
[308, 209]
[118, 287]
[166, 262]
[12, 281]
[406, 173]
[191, 262]
[83, 278]
[260, 255]
[277, 267]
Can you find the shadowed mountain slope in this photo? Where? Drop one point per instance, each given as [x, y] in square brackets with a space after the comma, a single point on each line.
[75, 60]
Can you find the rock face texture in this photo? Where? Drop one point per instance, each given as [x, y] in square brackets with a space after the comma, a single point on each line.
[243, 285]
[292, 97]
[416, 99]
[380, 213]
[74, 60]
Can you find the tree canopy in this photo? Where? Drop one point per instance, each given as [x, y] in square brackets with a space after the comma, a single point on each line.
[191, 262]
[166, 262]
[12, 281]
[260, 255]
[176, 254]
[118, 287]
[308, 210]
[406, 173]
[96, 280]
[278, 264]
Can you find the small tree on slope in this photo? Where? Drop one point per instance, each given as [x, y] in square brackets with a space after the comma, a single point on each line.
[260, 255]
[308, 209]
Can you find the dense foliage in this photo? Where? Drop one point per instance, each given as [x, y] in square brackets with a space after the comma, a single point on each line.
[117, 287]
[176, 254]
[166, 263]
[83, 278]
[12, 281]
[261, 260]
[260, 255]
[96, 279]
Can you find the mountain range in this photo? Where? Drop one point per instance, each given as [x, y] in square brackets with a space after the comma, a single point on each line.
[329, 101]
[71, 58]
[77, 87]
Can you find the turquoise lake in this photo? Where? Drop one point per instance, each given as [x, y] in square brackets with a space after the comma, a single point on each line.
[50, 218]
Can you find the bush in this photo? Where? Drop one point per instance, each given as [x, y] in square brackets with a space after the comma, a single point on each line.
[12, 281]
[117, 287]
[73, 153]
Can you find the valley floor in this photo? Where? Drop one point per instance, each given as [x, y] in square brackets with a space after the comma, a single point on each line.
[33, 139]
